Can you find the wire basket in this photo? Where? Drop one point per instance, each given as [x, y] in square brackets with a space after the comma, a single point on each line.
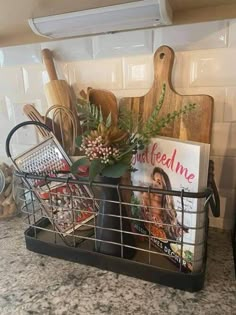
[94, 223]
[82, 244]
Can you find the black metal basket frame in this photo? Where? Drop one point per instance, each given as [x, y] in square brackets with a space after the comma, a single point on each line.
[38, 222]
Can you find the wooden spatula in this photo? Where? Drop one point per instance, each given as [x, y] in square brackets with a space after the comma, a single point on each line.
[31, 112]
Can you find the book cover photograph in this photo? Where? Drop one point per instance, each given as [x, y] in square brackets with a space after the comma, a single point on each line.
[170, 164]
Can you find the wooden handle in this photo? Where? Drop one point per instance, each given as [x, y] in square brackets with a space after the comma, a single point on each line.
[30, 111]
[163, 64]
[49, 64]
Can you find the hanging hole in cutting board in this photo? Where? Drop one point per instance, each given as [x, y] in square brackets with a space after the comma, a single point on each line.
[162, 55]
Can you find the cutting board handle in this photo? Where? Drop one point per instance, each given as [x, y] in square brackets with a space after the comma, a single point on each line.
[163, 65]
[49, 64]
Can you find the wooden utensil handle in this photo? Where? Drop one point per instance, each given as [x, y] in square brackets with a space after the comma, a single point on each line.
[163, 65]
[49, 64]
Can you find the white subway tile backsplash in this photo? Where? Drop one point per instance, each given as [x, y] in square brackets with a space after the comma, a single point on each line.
[180, 73]
[225, 172]
[138, 72]
[25, 135]
[219, 95]
[227, 210]
[34, 78]
[123, 44]
[232, 33]
[20, 55]
[11, 82]
[230, 105]
[105, 74]
[223, 139]
[6, 119]
[213, 68]
[204, 35]
[70, 49]
[227, 204]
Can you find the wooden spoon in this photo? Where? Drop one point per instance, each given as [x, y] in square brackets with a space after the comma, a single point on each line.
[107, 101]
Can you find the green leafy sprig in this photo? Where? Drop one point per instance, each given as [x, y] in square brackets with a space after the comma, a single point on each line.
[139, 135]
[91, 116]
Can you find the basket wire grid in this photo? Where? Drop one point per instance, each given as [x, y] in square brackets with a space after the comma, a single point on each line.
[63, 216]
[35, 214]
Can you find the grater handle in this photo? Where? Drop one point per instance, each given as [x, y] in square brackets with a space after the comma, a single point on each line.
[25, 123]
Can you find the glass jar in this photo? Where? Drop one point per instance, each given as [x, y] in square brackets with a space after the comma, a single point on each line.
[8, 204]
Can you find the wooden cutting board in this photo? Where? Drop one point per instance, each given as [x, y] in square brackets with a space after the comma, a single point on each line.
[196, 126]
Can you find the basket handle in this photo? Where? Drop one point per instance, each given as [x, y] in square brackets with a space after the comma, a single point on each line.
[24, 123]
[215, 198]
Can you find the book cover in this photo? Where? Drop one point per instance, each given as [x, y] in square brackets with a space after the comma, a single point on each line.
[171, 164]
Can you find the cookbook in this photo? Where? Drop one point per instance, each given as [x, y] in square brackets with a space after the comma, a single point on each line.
[168, 221]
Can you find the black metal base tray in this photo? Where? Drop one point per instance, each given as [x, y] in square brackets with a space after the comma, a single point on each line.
[163, 272]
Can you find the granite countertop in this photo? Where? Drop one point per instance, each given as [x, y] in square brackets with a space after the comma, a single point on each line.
[34, 284]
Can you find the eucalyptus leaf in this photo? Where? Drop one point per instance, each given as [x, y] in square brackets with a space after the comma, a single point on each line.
[108, 120]
[116, 170]
[79, 140]
[79, 162]
[95, 169]
[100, 115]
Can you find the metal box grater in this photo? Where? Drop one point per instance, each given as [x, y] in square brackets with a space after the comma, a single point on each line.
[48, 159]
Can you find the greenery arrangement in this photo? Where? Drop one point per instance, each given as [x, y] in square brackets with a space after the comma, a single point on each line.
[108, 149]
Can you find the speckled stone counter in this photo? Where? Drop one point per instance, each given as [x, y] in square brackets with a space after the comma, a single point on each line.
[34, 284]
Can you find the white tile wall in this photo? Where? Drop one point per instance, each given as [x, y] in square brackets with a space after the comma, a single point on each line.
[25, 135]
[204, 64]
[225, 172]
[230, 105]
[34, 78]
[123, 44]
[232, 33]
[6, 118]
[223, 139]
[213, 67]
[138, 72]
[70, 49]
[180, 74]
[227, 203]
[106, 73]
[11, 82]
[194, 36]
[20, 55]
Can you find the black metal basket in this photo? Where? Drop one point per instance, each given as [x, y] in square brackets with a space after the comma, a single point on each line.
[83, 244]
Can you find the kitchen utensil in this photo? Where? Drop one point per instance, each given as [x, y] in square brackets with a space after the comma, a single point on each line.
[59, 113]
[58, 93]
[49, 159]
[107, 101]
[195, 126]
[34, 115]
